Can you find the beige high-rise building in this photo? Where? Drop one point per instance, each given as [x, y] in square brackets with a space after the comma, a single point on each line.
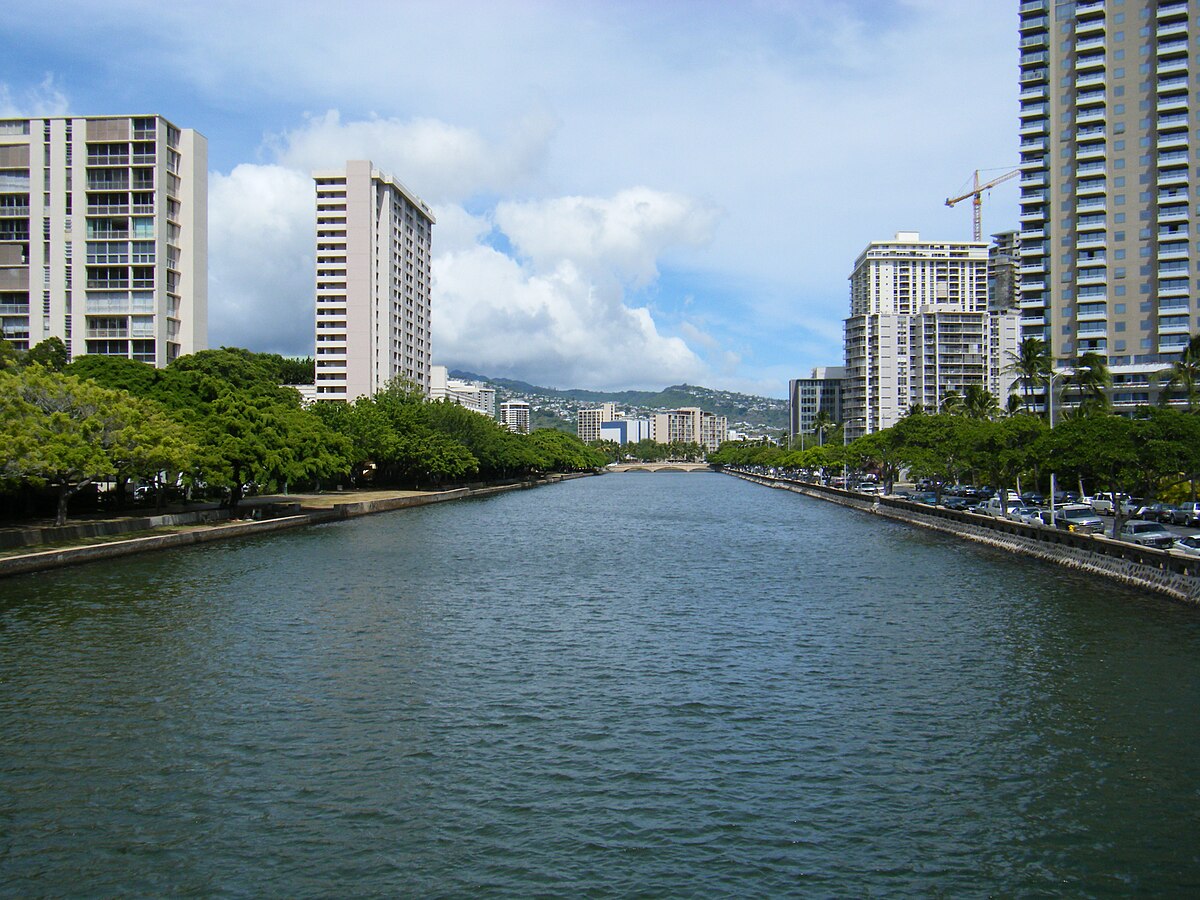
[373, 283]
[689, 425]
[1108, 212]
[104, 235]
[588, 421]
[919, 329]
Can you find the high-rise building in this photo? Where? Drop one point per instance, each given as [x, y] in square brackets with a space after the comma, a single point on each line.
[104, 235]
[1004, 275]
[809, 397]
[689, 425]
[1108, 216]
[514, 415]
[373, 283]
[919, 329]
[588, 421]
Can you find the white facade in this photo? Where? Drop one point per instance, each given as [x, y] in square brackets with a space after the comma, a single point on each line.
[625, 431]
[919, 329]
[104, 235]
[514, 415]
[373, 283]
[476, 397]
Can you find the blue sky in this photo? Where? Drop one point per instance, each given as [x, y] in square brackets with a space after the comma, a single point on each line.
[629, 195]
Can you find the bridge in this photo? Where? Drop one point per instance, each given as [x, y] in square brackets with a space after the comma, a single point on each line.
[659, 467]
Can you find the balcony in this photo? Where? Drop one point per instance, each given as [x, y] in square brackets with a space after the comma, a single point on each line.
[1034, 179]
[1175, 66]
[1172, 140]
[1036, 127]
[97, 182]
[1172, 104]
[1090, 63]
[1177, 122]
[1036, 233]
[107, 160]
[1090, 151]
[1033, 143]
[1090, 43]
[1091, 116]
[1090, 205]
[1174, 304]
[1173, 251]
[1037, 268]
[1037, 109]
[1092, 79]
[1169, 11]
[1034, 75]
[1173, 214]
[1178, 234]
[1171, 49]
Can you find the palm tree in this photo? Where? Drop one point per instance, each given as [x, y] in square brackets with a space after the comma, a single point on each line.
[1032, 364]
[1090, 378]
[980, 403]
[1183, 375]
[952, 403]
[821, 422]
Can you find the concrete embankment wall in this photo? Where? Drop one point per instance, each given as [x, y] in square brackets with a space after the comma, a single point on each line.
[1160, 571]
[52, 559]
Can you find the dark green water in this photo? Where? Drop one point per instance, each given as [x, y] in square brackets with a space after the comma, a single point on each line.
[661, 685]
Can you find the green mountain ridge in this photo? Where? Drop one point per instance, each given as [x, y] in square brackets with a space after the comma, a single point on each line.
[745, 409]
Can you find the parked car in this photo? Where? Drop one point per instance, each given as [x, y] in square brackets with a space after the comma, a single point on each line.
[1148, 534]
[1189, 545]
[959, 503]
[1028, 515]
[1033, 498]
[1155, 512]
[1190, 513]
[1104, 503]
[1078, 518]
[994, 507]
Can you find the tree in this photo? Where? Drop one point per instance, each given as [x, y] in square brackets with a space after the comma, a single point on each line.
[980, 403]
[1031, 364]
[1090, 377]
[952, 404]
[64, 432]
[1183, 376]
[1101, 448]
[50, 354]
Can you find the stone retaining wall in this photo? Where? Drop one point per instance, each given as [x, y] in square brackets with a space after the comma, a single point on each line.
[1166, 573]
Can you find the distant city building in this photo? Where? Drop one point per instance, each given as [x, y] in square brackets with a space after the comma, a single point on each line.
[1004, 274]
[588, 421]
[373, 283]
[477, 397]
[809, 397]
[514, 415]
[920, 329]
[625, 431]
[104, 235]
[1109, 218]
[689, 425]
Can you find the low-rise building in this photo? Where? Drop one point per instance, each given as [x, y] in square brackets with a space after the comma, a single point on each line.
[689, 425]
[479, 398]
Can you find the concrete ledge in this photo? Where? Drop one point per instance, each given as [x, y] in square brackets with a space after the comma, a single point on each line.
[1160, 571]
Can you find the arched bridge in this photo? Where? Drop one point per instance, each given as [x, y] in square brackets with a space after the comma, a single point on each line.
[660, 467]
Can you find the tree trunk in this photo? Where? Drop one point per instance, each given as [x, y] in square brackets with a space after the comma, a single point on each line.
[65, 493]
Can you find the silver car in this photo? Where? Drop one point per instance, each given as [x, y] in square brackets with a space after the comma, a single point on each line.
[1189, 545]
[1148, 534]
[1028, 515]
[1078, 518]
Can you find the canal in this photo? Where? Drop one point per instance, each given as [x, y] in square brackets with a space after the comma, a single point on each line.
[641, 684]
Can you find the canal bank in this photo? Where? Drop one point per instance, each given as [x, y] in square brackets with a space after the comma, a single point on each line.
[202, 526]
[1162, 572]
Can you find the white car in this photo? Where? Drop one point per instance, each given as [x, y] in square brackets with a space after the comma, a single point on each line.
[1189, 545]
[1029, 515]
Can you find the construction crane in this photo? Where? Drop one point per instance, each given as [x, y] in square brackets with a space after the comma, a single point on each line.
[977, 202]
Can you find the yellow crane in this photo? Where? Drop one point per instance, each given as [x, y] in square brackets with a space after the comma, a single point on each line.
[976, 193]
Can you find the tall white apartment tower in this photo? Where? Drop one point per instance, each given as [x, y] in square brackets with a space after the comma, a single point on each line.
[1108, 207]
[920, 328]
[104, 235]
[373, 283]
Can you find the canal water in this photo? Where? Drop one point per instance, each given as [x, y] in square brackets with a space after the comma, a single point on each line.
[661, 685]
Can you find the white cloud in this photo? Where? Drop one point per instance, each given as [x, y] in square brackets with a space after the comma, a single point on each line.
[438, 161]
[261, 273]
[624, 235]
[557, 310]
[554, 327]
[43, 99]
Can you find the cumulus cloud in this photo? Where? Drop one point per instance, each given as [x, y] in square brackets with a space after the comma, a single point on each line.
[538, 289]
[261, 275]
[555, 327]
[438, 161]
[623, 235]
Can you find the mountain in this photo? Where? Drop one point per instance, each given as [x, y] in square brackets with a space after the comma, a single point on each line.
[745, 412]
